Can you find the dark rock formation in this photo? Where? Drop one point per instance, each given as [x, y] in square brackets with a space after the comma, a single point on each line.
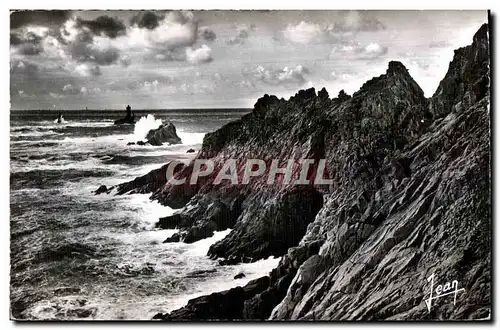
[147, 183]
[343, 96]
[273, 227]
[202, 222]
[100, 190]
[163, 134]
[323, 94]
[385, 236]
[410, 197]
[239, 275]
[190, 150]
[467, 79]
[226, 305]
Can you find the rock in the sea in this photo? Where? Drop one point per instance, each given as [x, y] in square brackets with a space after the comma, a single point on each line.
[166, 133]
[240, 275]
[147, 183]
[131, 143]
[141, 143]
[100, 190]
[271, 228]
[190, 150]
[226, 305]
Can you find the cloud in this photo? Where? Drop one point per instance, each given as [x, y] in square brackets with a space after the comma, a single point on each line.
[174, 32]
[87, 90]
[356, 21]
[30, 49]
[38, 17]
[345, 76]
[56, 95]
[105, 40]
[440, 44]
[178, 29]
[246, 84]
[104, 25]
[15, 39]
[24, 67]
[304, 33]
[206, 33]
[28, 43]
[243, 30]
[150, 86]
[82, 46]
[200, 55]
[287, 76]
[85, 52]
[242, 33]
[125, 60]
[357, 50]
[197, 88]
[350, 22]
[87, 70]
[148, 20]
[68, 88]
[374, 49]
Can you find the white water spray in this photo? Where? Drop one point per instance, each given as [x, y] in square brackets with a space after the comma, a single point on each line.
[63, 121]
[144, 125]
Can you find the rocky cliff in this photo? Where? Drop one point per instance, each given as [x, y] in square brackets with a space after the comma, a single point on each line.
[410, 197]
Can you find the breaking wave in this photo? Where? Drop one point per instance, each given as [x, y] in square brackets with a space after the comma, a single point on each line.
[144, 125]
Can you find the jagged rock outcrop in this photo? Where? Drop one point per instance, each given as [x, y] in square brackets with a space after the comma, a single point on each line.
[354, 136]
[410, 197]
[226, 305]
[147, 183]
[430, 214]
[467, 79]
[100, 190]
[271, 228]
[166, 133]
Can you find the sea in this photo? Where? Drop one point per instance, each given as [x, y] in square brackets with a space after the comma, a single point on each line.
[79, 256]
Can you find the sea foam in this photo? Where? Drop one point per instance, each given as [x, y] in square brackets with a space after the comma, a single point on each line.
[144, 125]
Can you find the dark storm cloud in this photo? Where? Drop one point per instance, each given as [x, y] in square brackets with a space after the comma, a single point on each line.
[27, 44]
[149, 20]
[109, 26]
[15, 39]
[84, 52]
[30, 49]
[82, 48]
[38, 17]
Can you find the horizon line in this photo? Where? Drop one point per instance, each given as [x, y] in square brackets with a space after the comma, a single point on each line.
[144, 109]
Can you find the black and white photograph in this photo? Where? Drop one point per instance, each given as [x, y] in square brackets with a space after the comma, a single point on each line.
[188, 165]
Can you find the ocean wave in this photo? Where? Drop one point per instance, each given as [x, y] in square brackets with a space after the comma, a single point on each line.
[190, 138]
[66, 250]
[144, 125]
[52, 178]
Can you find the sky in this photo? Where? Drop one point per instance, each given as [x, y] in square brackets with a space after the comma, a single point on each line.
[220, 59]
